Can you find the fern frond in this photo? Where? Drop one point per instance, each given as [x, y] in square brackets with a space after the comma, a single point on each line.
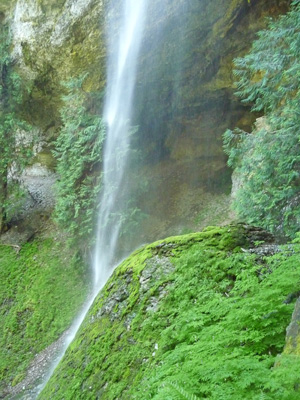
[182, 392]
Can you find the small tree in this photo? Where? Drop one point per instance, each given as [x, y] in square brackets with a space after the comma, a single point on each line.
[15, 147]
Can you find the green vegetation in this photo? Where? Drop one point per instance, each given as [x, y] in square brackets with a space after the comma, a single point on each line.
[190, 317]
[14, 141]
[78, 151]
[267, 161]
[41, 290]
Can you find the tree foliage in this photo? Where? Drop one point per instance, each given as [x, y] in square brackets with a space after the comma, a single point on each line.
[78, 150]
[267, 161]
[15, 144]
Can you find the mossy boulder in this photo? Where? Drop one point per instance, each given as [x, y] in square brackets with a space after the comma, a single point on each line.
[202, 314]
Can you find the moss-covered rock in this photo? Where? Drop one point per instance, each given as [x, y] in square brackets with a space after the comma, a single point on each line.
[42, 286]
[53, 41]
[202, 314]
[293, 330]
[6, 6]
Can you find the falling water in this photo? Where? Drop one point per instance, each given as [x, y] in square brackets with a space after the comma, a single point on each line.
[122, 65]
[123, 48]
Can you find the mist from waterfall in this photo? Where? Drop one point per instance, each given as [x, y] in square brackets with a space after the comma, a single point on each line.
[124, 36]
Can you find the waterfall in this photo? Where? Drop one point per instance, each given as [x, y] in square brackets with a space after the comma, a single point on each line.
[121, 76]
[123, 49]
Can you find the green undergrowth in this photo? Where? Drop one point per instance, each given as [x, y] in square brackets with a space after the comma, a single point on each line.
[191, 317]
[41, 289]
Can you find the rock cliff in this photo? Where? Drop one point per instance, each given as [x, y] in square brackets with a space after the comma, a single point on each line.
[184, 96]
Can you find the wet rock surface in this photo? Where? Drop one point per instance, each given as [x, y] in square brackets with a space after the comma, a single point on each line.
[119, 291]
[188, 85]
[293, 331]
[29, 388]
[39, 182]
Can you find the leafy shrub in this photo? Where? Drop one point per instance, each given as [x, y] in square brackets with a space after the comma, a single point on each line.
[15, 143]
[267, 161]
[78, 150]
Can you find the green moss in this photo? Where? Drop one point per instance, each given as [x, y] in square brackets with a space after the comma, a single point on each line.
[231, 237]
[6, 5]
[41, 289]
[18, 378]
[195, 310]
[82, 51]
[45, 158]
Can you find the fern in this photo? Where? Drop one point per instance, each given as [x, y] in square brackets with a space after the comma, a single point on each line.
[78, 150]
[219, 325]
[15, 143]
[184, 394]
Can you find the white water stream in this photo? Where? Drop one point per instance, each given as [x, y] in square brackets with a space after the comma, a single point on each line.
[122, 65]
[124, 35]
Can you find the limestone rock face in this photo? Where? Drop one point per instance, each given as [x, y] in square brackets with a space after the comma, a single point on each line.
[53, 41]
[184, 96]
[39, 181]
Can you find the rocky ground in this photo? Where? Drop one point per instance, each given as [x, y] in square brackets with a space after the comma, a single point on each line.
[40, 367]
